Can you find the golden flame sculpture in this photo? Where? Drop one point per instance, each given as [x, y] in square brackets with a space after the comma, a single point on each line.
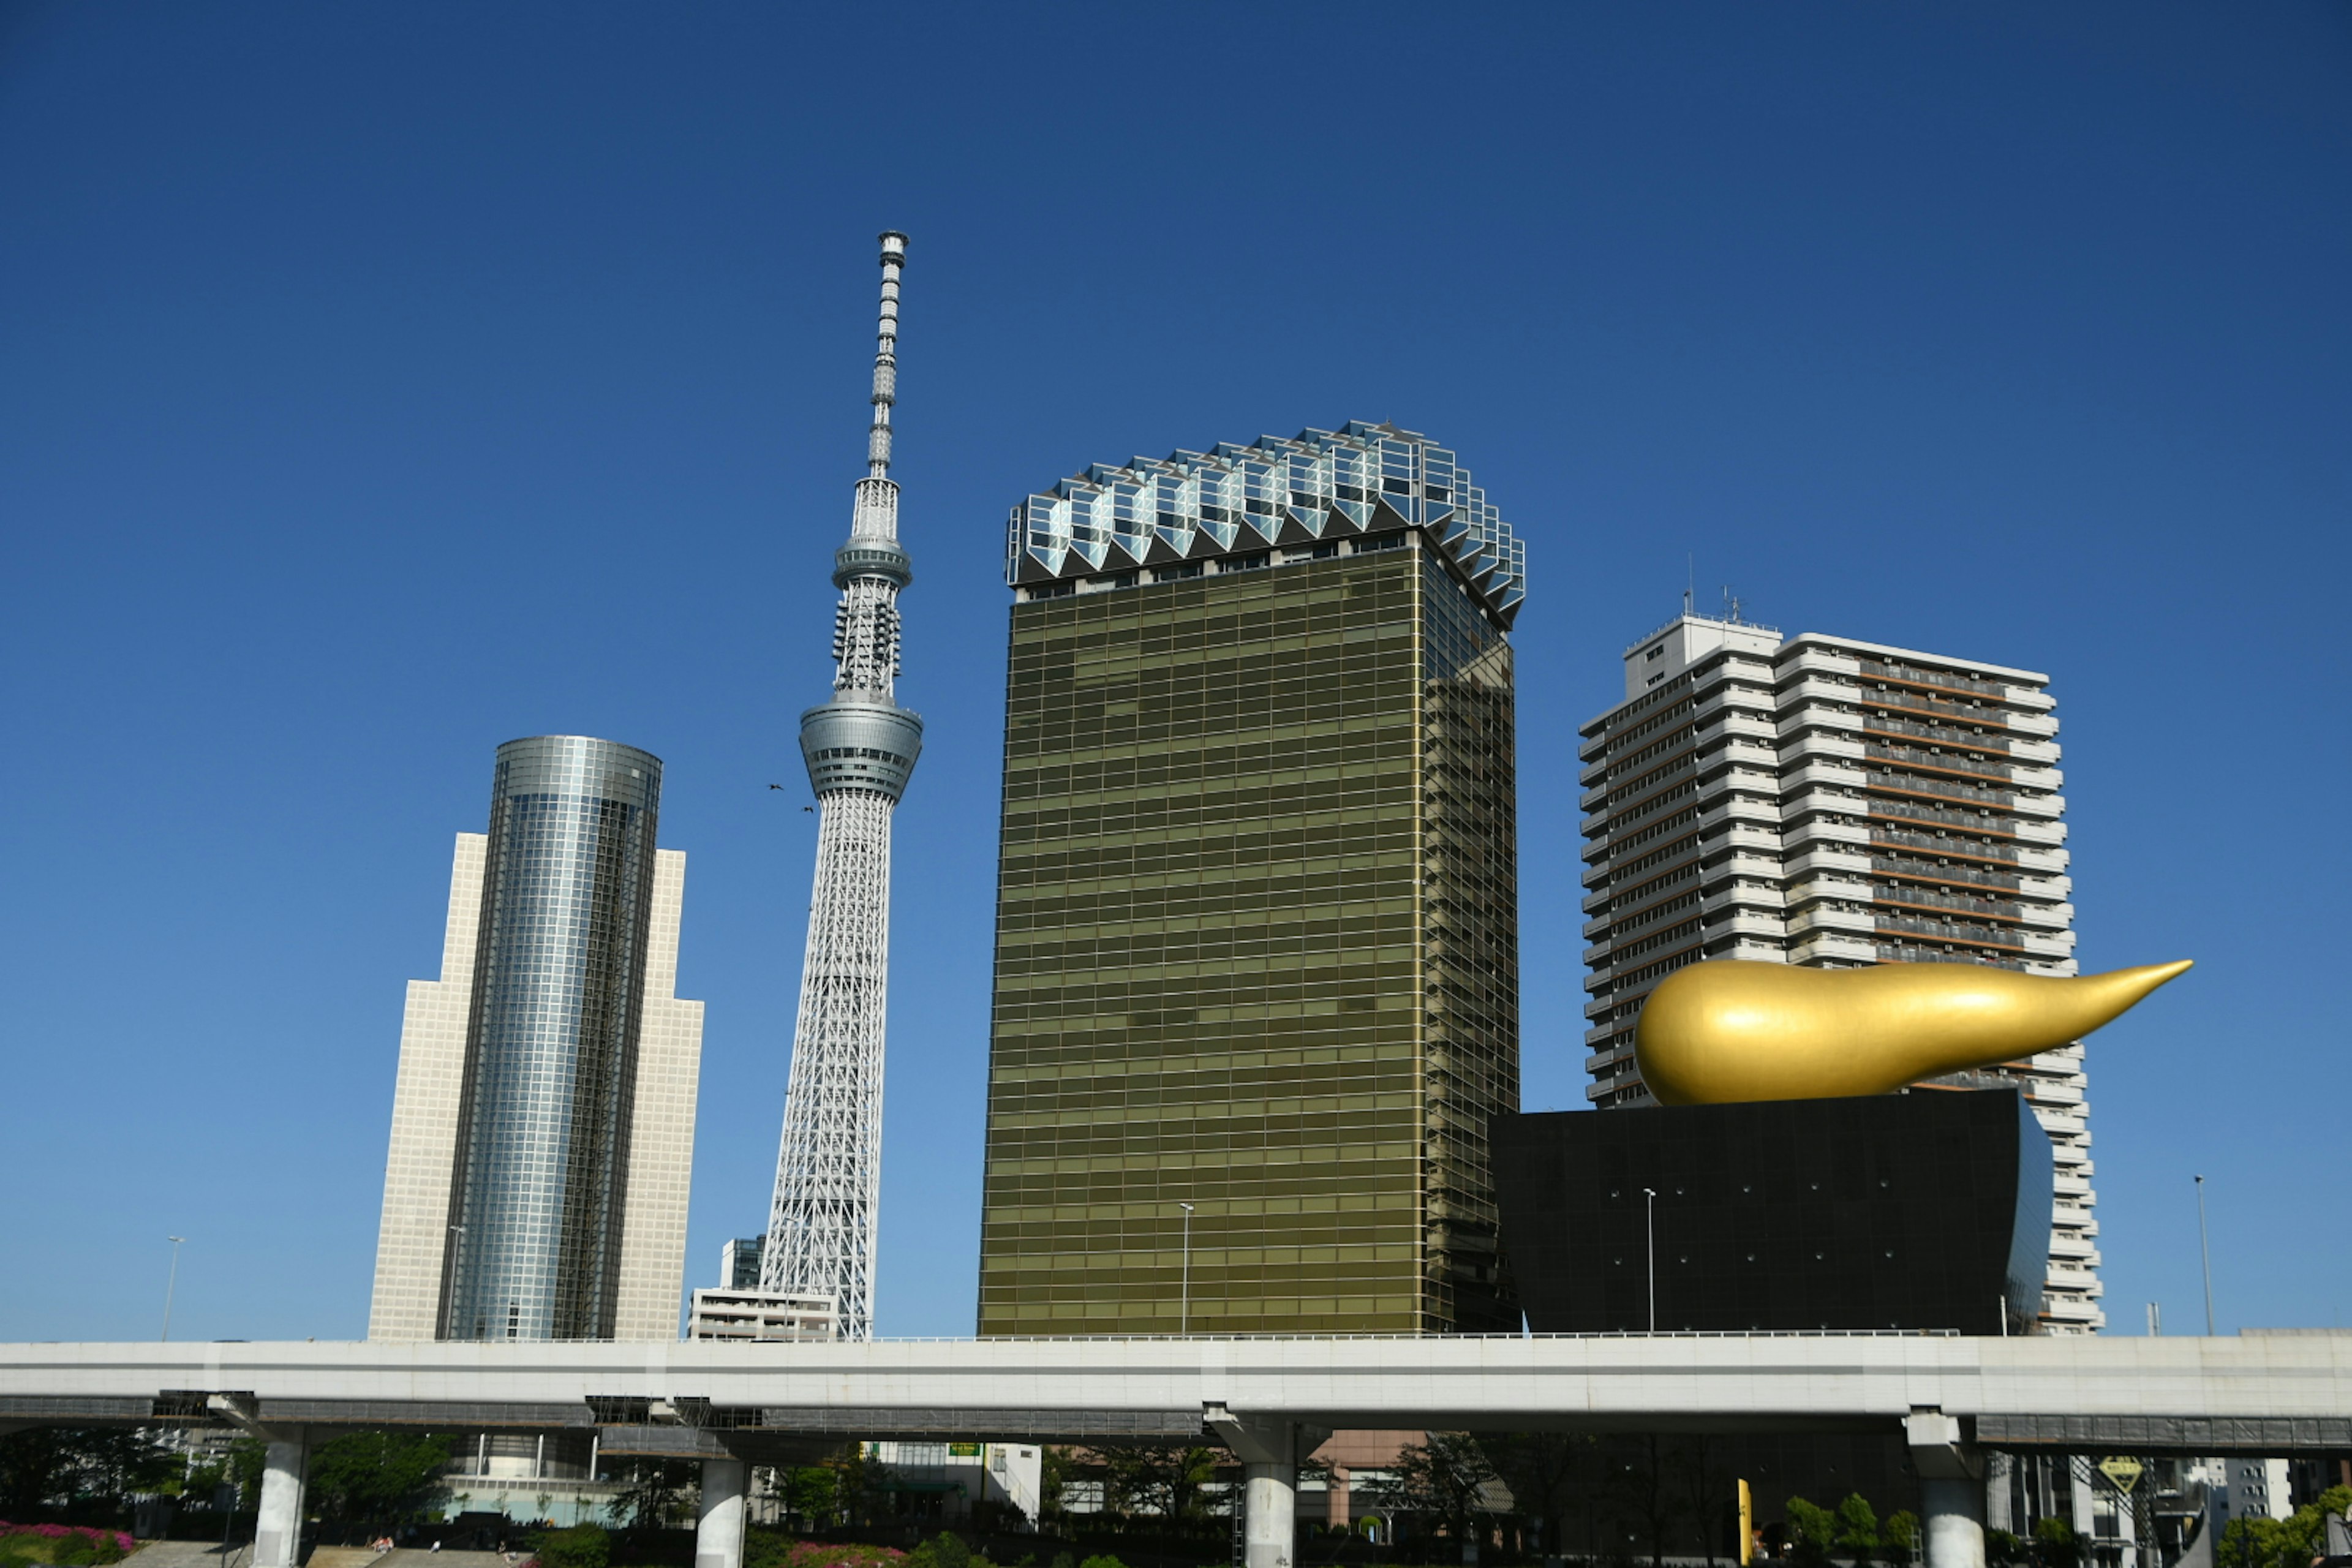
[1732, 1029]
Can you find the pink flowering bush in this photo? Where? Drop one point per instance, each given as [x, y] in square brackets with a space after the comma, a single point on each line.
[833, 1554]
[85, 1543]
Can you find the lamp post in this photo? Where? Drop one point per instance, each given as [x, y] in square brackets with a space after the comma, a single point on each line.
[1184, 1299]
[171, 1282]
[2205, 1253]
[1650, 1205]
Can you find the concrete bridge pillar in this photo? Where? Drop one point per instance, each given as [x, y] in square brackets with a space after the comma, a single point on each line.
[1269, 1447]
[1951, 1490]
[278, 1530]
[719, 1529]
[1270, 1515]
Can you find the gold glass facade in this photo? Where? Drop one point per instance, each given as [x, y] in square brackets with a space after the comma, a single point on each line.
[1256, 953]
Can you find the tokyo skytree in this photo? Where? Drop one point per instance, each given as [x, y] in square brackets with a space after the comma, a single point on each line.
[860, 748]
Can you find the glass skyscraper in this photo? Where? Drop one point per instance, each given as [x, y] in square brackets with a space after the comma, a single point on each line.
[1256, 965]
[544, 1121]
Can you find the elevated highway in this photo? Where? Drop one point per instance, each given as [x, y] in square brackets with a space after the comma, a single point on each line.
[730, 1404]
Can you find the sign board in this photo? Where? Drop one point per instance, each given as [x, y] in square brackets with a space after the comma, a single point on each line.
[2122, 1473]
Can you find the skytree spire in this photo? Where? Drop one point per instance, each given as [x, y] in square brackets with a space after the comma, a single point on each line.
[860, 748]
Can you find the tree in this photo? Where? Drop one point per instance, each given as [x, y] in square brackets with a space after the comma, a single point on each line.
[378, 1478]
[1546, 1472]
[1445, 1479]
[49, 1470]
[1164, 1478]
[2054, 1545]
[1813, 1529]
[1901, 1536]
[2290, 1543]
[1857, 1528]
[1636, 1495]
[659, 1492]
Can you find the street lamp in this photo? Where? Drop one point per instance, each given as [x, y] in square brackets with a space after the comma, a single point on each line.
[1184, 1307]
[1650, 1203]
[171, 1282]
[2205, 1252]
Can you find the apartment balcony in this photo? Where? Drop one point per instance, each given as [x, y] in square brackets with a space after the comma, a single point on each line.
[1729, 720]
[1738, 922]
[1829, 857]
[1812, 688]
[1762, 901]
[1907, 897]
[1820, 946]
[1811, 661]
[2049, 917]
[2047, 944]
[1824, 774]
[2070, 1183]
[2051, 890]
[1856, 924]
[1834, 712]
[1719, 696]
[1600, 1060]
[1823, 745]
[2032, 698]
[1944, 870]
[2035, 753]
[2036, 776]
[1741, 809]
[1749, 843]
[2031, 856]
[2041, 724]
[2075, 1247]
[2036, 832]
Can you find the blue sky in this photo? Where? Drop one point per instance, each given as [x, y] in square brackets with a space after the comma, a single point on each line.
[380, 383]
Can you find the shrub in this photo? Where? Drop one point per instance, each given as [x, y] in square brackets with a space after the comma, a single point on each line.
[581, 1546]
[1102, 1562]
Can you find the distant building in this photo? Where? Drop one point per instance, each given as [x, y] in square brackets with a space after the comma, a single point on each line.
[542, 1128]
[738, 1263]
[759, 1315]
[1823, 801]
[1256, 938]
[952, 1476]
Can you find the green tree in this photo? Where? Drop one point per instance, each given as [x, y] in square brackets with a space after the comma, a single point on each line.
[659, 1492]
[1812, 1531]
[46, 1469]
[812, 1494]
[1164, 1478]
[2054, 1545]
[2290, 1543]
[1857, 1528]
[378, 1478]
[1901, 1536]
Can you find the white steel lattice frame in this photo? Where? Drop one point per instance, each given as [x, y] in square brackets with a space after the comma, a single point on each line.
[823, 1230]
[822, 1227]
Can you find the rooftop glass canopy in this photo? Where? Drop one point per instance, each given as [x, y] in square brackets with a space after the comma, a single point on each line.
[1235, 500]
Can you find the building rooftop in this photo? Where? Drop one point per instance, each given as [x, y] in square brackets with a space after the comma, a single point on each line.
[1235, 500]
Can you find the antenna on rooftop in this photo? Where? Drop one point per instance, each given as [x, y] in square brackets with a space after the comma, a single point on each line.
[1690, 579]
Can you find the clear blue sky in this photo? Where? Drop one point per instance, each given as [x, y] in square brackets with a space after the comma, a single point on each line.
[381, 382]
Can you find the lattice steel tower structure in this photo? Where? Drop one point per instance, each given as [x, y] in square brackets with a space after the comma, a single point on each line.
[860, 748]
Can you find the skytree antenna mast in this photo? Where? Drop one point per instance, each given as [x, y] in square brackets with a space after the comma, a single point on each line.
[860, 748]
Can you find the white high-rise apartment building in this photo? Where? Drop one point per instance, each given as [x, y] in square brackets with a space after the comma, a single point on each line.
[1823, 801]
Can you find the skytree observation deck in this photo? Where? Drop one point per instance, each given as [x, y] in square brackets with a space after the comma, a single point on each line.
[1237, 508]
